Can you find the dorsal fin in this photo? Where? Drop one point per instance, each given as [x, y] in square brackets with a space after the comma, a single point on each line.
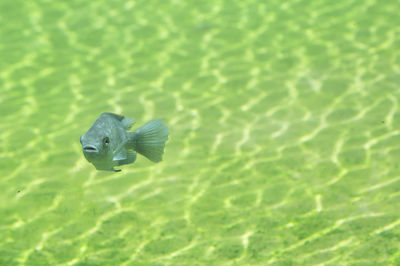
[119, 117]
[126, 122]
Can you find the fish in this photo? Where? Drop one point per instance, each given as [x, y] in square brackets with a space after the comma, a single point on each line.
[108, 143]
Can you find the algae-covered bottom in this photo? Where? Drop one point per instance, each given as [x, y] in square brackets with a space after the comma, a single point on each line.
[284, 132]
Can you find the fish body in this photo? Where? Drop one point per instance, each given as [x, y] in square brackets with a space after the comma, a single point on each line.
[108, 143]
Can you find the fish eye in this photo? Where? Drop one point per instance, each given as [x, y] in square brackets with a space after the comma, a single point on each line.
[106, 140]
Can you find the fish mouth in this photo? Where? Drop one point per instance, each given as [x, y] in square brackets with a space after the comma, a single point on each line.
[89, 148]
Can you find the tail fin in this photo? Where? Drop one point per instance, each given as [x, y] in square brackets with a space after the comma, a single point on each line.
[149, 139]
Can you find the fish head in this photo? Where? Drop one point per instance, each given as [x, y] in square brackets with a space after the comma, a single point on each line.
[104, 139]
[96, 146]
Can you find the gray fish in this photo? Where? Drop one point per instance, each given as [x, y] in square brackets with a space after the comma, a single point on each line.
[108, 143]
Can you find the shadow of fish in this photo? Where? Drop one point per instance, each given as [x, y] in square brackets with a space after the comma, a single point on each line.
[108, 143]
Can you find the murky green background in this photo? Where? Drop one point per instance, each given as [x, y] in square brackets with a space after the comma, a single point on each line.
[284, 132]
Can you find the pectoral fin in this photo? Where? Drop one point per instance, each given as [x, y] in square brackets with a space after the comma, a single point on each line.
[120, 156]
[130, 158]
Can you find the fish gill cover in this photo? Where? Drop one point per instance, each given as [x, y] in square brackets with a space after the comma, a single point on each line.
[284, 132]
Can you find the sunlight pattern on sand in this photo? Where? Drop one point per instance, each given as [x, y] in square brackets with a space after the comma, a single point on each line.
[284, 132]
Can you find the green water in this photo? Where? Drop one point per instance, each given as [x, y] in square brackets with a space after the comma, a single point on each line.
[284, 132]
